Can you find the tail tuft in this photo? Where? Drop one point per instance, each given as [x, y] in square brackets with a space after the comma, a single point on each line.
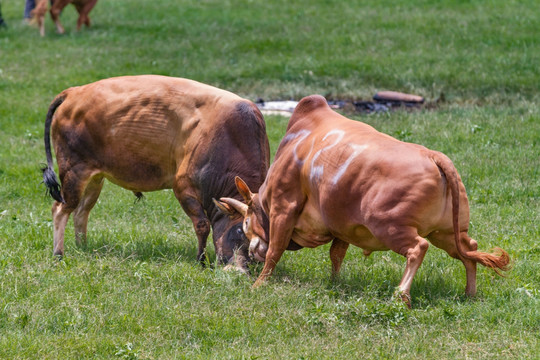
[499, 261]
[53, 185]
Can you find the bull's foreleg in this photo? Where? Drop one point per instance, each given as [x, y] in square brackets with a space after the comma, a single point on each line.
[337, 254]
[193, 208]
[281, 227]
[80, 215]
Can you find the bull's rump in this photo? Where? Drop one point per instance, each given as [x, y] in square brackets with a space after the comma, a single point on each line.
[138, 131]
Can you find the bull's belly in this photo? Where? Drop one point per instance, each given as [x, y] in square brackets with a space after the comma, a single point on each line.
[310, 239]
[361, 237]
[310, 230]
[142, 180]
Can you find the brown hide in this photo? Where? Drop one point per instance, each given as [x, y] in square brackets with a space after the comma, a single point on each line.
[83, 8]
[147, 133]
[341, 181]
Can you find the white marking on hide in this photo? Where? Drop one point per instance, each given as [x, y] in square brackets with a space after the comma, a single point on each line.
[318, 170]
[357, 149]
[302, 134]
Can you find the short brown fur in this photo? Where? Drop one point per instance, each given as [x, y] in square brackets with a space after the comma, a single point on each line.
[147, 133]
[341, 181]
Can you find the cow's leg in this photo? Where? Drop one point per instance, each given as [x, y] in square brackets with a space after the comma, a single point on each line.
[281, 227]
[74, 182]
[72, 188]
[414, 252]
[55, 15]
[193, 208]
[60, 214]
[337, 253]
[87, 202]
[405, 241]
[39, 13]
[446, 242]
[84, 10]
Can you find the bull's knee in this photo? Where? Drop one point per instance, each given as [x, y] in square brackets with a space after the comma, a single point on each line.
[202, 227]
[412, 252]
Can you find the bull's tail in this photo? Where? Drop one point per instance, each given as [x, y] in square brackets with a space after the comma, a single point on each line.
[49, 176]
[497, 261]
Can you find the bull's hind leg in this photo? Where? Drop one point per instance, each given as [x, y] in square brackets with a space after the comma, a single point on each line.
[73, 186]
[445, 241]
[60, 216]
[405, 241]
[87, 202]
[414, 252]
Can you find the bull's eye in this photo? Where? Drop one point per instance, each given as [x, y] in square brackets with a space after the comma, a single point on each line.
[246, 225]
[239, 231]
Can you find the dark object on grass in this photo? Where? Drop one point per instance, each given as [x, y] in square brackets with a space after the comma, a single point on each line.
[370, 106]
[2, 22]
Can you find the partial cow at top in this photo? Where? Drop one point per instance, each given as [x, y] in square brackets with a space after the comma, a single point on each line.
[83, 8]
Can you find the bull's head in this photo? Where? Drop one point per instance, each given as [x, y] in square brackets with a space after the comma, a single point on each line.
[230, 243]
[255, 220]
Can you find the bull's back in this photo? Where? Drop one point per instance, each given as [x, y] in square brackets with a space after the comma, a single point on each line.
[137, 130]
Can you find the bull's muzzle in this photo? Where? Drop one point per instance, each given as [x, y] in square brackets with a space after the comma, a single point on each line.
[257, 249]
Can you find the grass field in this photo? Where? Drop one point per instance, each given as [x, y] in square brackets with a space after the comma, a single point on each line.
[136, 291]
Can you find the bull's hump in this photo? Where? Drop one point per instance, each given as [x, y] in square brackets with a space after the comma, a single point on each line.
[306, 108]
[311, 103]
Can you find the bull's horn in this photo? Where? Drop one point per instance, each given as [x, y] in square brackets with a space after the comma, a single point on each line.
[224, 208]
[237, 205]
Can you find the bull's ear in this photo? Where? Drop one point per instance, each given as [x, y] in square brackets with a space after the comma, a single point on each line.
[224, 208]
[243, 189]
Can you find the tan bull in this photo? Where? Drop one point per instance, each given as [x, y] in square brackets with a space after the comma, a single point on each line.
[147, 133]
[341, 181]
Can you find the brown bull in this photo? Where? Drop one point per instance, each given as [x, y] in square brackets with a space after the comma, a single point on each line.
[83, 8]
[334, 179]
[147, 133]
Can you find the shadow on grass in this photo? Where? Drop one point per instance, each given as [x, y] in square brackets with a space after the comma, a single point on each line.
[373, 279]
[145, 248]
[378, 279]
[425, 293]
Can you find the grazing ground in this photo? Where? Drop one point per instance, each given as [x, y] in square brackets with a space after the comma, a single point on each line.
[136, 291]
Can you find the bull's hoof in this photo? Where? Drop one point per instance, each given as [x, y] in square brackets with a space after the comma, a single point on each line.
[404, 297]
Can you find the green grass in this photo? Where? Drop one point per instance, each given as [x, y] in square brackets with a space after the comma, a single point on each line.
[136, 291]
